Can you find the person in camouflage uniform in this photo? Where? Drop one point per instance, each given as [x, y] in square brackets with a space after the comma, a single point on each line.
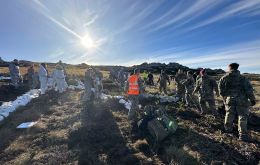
[98, 78]
[179, 77]
[89, 84]
[150, 79]
[236, 92]
[189, 87]
[30, 74]
[163, 82]
[205, 86]
[121, 77]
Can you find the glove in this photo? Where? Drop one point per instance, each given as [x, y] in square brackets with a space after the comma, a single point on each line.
[253, 102]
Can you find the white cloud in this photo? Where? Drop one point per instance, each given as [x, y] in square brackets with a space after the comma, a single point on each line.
[91, 21]
[245, 7]
[185, 15]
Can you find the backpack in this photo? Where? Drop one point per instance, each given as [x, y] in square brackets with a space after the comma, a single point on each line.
[159, 125]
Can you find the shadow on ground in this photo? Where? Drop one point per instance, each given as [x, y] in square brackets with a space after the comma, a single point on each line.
[99, 139]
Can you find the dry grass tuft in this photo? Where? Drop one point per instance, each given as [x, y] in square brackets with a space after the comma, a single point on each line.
[141, 145]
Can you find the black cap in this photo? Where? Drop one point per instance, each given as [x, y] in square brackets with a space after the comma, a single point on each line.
[234, 66]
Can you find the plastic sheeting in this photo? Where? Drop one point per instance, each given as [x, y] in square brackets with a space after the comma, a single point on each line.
[26, 125]
[8, 107]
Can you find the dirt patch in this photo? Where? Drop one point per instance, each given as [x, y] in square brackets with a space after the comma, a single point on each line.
[70, 131]
[47, 142]
[9, 93]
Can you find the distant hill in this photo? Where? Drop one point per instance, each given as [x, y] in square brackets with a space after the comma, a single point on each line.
[170, 68]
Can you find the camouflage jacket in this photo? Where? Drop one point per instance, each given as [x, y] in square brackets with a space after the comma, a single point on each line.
[89, 79]
[206, 86]
[180, 77]
[236, 89]
[163, 79]
[189, 84]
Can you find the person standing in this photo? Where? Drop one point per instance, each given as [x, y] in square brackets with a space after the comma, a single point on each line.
[206, 86]
[30, 74]
[43, 77]
[145, 76]
[163, 82]
[89, 85]
[133, 90]
[150, 79]
[121, 77]
[189, 87]
[15, 73]
[98, 83]
[179, 78]
[237, 93]
[59, 78]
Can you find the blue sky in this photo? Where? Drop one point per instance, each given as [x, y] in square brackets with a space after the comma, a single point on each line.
[195, 33]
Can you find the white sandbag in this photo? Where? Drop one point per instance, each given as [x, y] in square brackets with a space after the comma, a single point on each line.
[122, 101]
[5, 113]
[11, 106]
[119, 97]
[1, 118]
[128, 105]
[80, 85]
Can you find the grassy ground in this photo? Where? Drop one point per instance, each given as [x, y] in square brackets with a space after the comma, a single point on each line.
[70, 132]
[47, 142]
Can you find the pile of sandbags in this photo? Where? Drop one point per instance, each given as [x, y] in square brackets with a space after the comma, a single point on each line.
[127, 104]
[168, 99]
[8, 107]
[161, 98]
[106, 97]
[80, 85]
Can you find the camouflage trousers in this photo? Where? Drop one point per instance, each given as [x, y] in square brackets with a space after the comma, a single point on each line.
[98, 91]
[163, 88]
[242, 112]
[211, 102]
[15, 79]
[30, 82]
[134, 99]
[189, 99]
[88, 93]
[181, 91]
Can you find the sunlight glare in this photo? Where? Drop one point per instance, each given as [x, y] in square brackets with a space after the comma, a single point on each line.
[88, 42]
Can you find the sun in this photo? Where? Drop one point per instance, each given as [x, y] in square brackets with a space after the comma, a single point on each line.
[88, 42]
